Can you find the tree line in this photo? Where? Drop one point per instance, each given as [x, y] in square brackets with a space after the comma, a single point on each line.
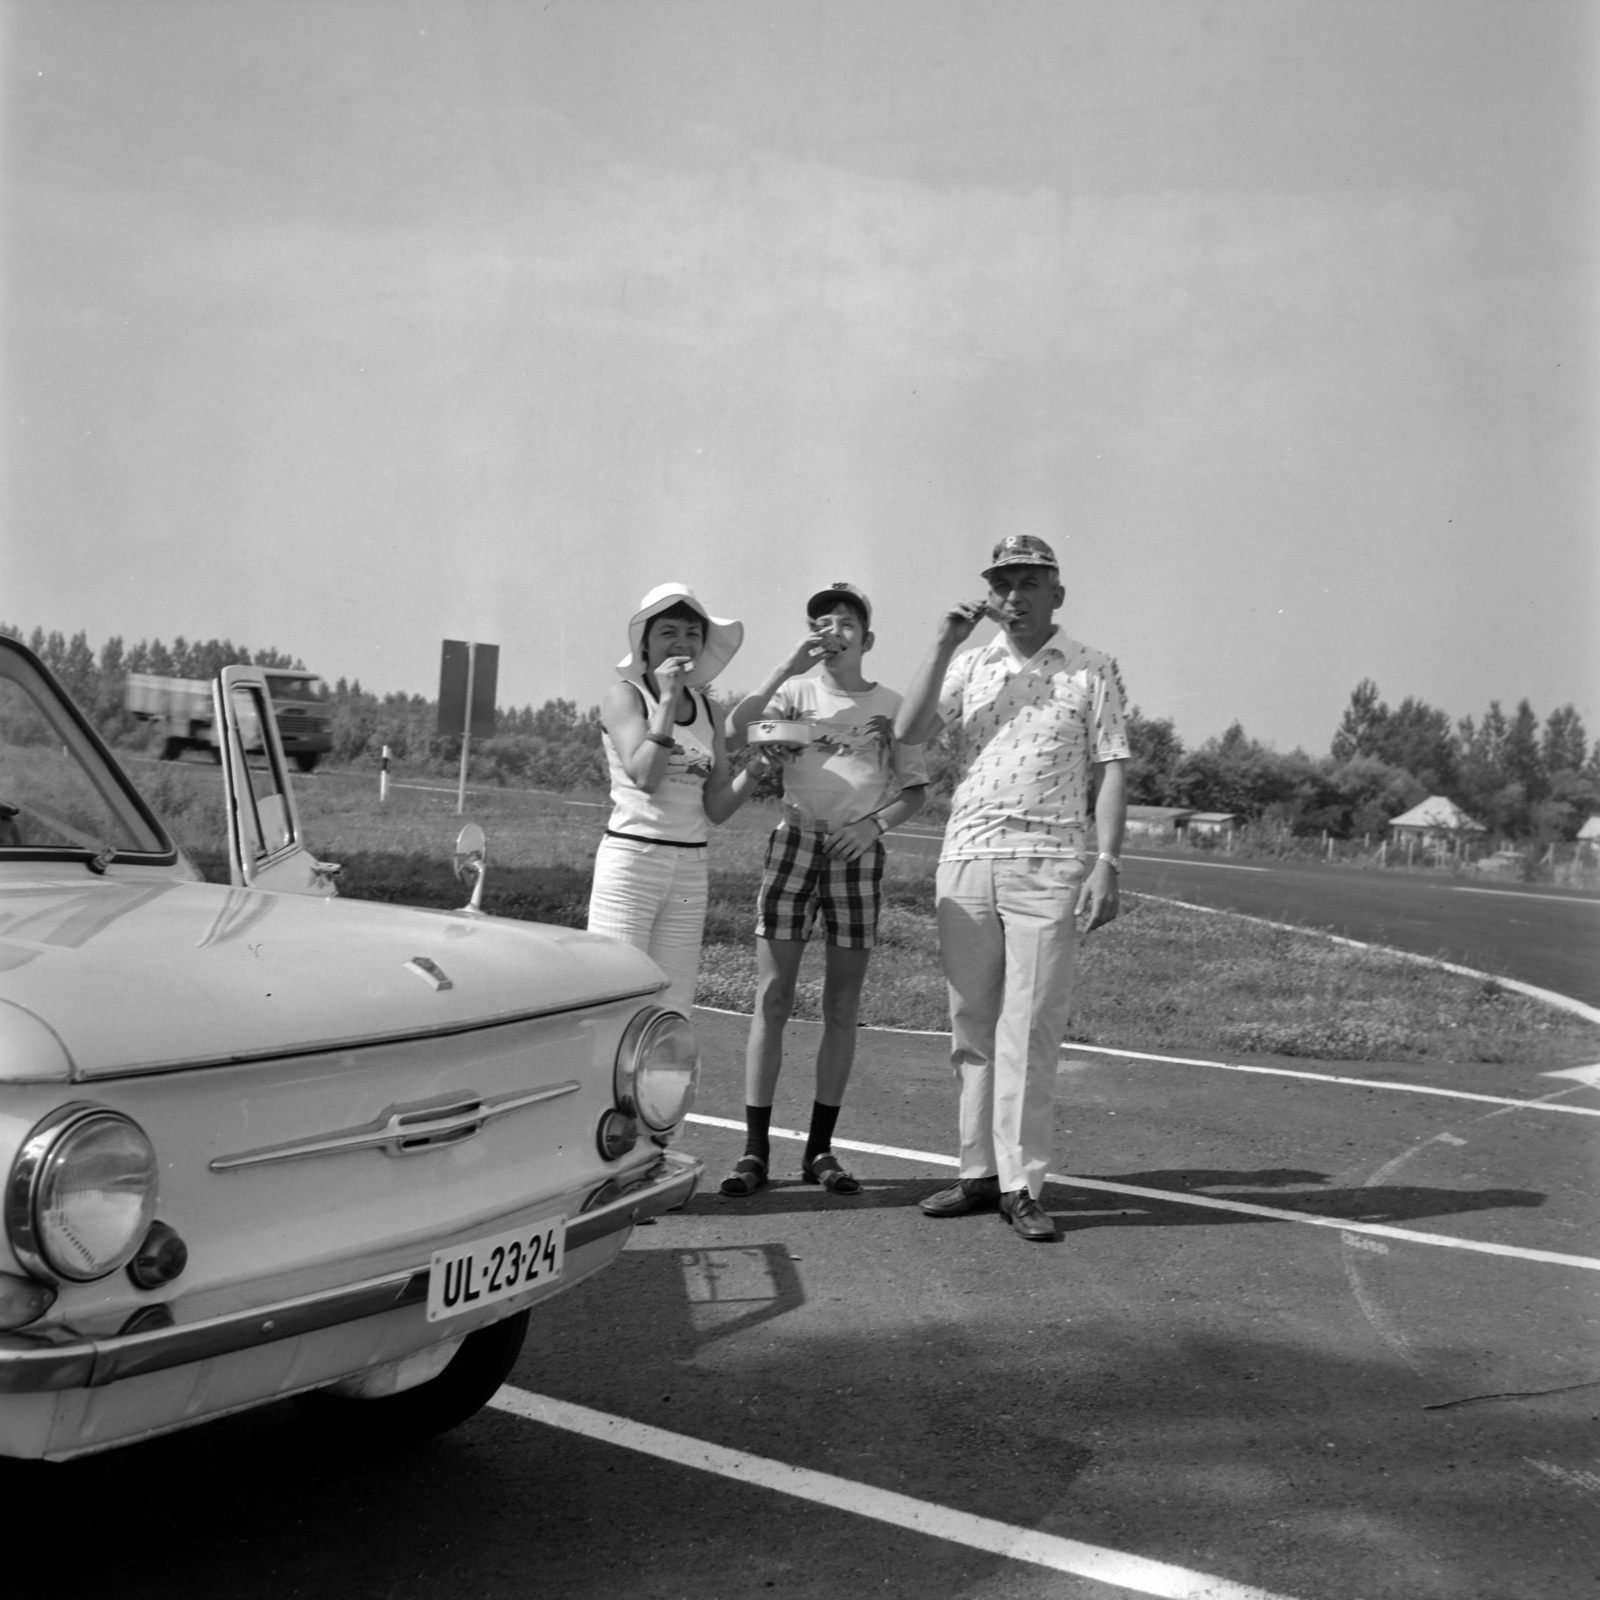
[553, 747]
[1517, 776]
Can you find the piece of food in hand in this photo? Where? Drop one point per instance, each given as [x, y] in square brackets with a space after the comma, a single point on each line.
[779, 737]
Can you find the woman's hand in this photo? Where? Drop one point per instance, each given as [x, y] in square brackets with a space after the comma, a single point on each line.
[672, 672]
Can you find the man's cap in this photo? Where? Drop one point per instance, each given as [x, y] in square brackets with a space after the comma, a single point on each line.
[827, 599]
[1021, 550]
[723, 635]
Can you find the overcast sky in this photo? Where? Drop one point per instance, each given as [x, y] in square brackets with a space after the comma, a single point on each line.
[345, 326]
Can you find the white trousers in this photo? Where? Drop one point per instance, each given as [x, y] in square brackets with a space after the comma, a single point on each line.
[654, 897]
[1008, 941]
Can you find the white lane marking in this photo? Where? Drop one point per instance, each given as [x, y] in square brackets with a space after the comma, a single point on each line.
[1204, 1202]
[1113, 1567]
[1549, 996]
[1224, 866]
[1528, 894]
[599, 805]
[1358, 1083]
[1589, 1077]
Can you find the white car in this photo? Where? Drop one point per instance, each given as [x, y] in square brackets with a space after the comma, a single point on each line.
[261, 1141]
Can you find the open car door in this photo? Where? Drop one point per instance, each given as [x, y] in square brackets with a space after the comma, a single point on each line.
[265, 850]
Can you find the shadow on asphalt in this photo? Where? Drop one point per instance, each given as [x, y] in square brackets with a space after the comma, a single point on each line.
[1284, 1189]
[1262, 1455]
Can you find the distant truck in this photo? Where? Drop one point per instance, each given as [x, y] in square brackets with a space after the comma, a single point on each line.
[183, 708]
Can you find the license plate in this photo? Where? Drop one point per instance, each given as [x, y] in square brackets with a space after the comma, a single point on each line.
[467, 1277]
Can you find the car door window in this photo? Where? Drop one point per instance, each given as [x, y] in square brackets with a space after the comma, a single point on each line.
[265, 818]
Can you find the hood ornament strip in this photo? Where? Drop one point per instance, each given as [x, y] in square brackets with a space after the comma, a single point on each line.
[402, 1130]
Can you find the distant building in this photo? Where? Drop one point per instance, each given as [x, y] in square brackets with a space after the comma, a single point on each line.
[1208, 824]
[1436, 822]
[1589, 834]
[1155, 822]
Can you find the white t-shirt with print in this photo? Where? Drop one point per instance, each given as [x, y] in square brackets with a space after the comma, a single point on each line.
[1025, 735]
[854, 765]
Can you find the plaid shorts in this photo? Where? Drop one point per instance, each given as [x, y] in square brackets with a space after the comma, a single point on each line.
[802, 880]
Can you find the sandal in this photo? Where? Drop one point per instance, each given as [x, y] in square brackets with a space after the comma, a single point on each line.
[825, 1169]
[748, 1175]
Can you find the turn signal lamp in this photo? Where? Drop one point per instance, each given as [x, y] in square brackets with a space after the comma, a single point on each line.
[160, 1258]
[617, 1134]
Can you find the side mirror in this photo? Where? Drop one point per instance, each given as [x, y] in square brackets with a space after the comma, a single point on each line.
[471, 858]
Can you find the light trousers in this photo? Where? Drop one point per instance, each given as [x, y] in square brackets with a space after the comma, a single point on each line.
[654, 897]
[1008, 941]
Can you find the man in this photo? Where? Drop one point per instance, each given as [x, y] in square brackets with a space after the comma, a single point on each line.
[842, 792]
[1035, 716]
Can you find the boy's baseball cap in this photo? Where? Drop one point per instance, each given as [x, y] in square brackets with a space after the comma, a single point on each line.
[827, 599]
[1021, 550]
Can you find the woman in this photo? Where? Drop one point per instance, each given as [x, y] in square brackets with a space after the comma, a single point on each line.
[669, 782]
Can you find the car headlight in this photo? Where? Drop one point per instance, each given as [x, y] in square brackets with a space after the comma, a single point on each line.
[657, 1065]
[82, 1193]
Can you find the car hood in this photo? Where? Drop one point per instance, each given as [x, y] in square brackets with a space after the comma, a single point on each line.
[100, 977]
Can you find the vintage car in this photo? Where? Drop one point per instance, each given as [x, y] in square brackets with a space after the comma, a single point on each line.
[261, 1141]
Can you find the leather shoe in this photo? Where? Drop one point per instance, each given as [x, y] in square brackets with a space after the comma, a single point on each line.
[971, 1194]
[1027, 1216]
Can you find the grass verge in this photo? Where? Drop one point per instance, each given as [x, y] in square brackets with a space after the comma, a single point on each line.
[1161, 977]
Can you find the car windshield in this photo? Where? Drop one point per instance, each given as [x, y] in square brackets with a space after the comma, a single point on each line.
[289, 686]
[57, 791]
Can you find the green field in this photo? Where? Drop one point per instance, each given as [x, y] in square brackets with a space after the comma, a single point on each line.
[1161, 977]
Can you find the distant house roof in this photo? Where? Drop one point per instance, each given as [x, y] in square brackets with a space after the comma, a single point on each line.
[1590, 828]
[1439, 814]
[1213, 817]
[1157, 813]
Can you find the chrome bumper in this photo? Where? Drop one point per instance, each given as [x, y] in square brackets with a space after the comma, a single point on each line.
[59, 1359]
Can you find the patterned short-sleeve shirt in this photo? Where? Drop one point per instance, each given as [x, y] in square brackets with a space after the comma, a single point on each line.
[1025, 738]
[854, 765]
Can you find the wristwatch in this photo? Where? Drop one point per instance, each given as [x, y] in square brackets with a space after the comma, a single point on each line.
[1114, 862]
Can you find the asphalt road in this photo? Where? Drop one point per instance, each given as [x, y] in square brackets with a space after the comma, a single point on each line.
[1547, 937]
[1301, 1337]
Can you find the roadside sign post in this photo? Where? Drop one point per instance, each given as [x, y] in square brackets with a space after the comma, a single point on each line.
[467, 680]
[383, 779]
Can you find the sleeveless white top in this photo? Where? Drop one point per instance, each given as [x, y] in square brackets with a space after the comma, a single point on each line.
[676, 812]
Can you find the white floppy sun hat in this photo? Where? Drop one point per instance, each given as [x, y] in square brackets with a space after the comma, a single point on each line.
[723, 635]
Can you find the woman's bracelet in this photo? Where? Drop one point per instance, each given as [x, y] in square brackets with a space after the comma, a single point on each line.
[883, 827]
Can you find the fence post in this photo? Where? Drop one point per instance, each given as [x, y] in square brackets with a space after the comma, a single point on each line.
[383, 779]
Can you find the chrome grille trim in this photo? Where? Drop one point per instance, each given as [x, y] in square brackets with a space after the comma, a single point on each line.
[401, 1130]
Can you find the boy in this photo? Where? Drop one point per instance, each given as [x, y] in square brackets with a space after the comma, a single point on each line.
[842, 792]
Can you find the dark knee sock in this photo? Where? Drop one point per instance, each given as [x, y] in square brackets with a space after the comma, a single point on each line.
[757, 1120]
[820, 1137]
